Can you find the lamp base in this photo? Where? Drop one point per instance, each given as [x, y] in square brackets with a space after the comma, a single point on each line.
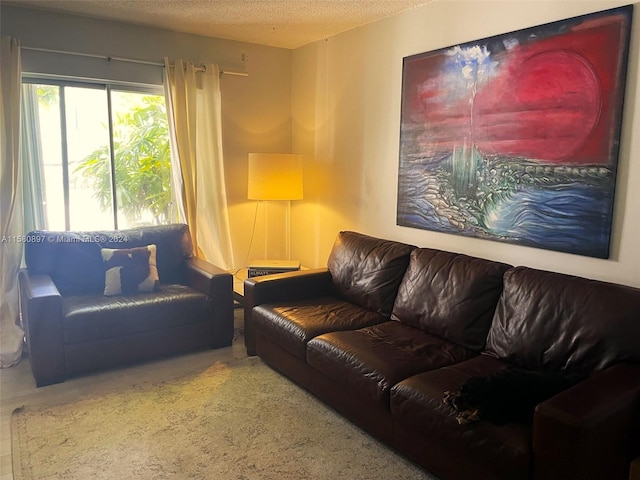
[258, 268]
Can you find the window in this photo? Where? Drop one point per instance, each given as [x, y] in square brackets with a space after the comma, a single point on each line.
[102, 155]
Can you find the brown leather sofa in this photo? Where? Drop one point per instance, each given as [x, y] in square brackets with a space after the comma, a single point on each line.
[387, 329]
[71, 327]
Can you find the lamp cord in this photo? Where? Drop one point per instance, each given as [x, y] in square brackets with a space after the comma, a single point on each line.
[253, 233]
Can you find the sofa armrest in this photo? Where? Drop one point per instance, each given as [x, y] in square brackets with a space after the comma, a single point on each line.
[218, 284]
[589, 431]
[283, 287]
[204, 276]
[41, 313]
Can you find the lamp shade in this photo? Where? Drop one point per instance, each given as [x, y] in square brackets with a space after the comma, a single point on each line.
[275, 176]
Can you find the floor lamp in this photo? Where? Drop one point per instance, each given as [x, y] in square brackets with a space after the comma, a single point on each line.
[276, 176]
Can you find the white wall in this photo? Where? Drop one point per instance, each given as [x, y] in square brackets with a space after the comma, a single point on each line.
[338, 103]
[256, 109]
[346, 94]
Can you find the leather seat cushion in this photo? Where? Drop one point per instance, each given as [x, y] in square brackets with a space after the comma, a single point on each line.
[450, 295]
[367, 271]
[93, 317]
[373, 359]
[552, 321]
[292, 325]
[417, 403]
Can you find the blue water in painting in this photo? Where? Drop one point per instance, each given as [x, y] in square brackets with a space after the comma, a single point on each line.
[571, 217]
[567, 217]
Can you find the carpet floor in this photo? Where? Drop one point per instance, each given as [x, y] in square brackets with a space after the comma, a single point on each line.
[232, 421]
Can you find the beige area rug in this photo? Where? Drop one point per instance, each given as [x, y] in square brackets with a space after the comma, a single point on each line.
[238, 421]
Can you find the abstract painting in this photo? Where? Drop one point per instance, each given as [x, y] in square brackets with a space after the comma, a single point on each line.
[515, 138]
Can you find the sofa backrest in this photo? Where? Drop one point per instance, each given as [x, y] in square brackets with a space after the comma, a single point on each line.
[74, 262]
[551, 321]
[367, 271]
[450, 295]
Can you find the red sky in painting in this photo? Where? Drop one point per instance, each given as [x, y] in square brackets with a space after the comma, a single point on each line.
[553, 99]
[549, 112]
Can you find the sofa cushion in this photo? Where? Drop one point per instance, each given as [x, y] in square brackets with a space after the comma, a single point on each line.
[373, 359]
[130, 270]
[73, 260]
[292, 325]
[550, 321]
[450, 295]
[173, 244]
[92, 317]
[367, 271]
[495, 451]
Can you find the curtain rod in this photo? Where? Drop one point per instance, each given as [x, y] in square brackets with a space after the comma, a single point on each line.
[201, 68]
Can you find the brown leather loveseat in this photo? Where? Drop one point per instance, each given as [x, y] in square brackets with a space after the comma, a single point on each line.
[388, 328]
[75, 321]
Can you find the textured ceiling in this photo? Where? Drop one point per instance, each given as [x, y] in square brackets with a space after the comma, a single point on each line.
[277, 23]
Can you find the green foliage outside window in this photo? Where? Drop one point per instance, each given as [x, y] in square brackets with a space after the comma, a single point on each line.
[142, 163]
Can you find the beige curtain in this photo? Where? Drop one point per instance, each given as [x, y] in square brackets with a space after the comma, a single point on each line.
[11, 219]
[194, 111]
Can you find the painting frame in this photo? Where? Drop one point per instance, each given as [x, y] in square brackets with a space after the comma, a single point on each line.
[515, 137]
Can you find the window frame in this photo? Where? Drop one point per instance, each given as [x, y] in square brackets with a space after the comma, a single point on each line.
[108, 87]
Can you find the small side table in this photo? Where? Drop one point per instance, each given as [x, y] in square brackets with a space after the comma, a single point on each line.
[239, 277]
[238, 286]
